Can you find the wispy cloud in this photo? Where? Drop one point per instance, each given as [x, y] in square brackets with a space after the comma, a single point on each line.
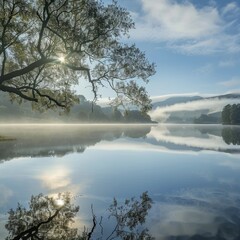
[5, 194]
[230, 8]
[235, 81]
[200, 208]
[227, 63]
[187, 28]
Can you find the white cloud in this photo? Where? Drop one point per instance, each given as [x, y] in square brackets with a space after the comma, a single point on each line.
[230, 8]
[186, 28]
[182, 21]
[231, 83]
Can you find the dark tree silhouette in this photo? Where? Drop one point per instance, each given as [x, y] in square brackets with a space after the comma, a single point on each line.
[231, 135]
[231, 114]
[47, 46]
[226, 114]
[50, 219]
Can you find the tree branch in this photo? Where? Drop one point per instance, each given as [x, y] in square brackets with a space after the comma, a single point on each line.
[29, 68]
[17, 92]
[33, 230]
[94, 225]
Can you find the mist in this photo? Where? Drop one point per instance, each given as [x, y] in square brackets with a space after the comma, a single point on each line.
[210, 105]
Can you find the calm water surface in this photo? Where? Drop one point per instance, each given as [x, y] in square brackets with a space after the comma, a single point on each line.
[192, 173]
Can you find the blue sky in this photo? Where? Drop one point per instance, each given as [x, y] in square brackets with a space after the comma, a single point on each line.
[195, 44]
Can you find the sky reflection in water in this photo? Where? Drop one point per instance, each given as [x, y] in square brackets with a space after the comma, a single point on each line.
[191, 172]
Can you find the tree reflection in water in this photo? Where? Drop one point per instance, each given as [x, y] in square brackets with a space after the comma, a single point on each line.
[51, 218]
[231, 135]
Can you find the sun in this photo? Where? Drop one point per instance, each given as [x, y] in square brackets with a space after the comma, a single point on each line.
[59, 202]
[61, 59]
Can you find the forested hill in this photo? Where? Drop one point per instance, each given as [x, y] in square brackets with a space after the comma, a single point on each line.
[192, 109]
[12, 112]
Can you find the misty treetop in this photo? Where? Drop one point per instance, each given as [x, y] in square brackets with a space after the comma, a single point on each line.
[48, 46]
[231, 114]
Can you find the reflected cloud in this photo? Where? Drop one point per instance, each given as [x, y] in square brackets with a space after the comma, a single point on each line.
[197, 137]
[59, 179]
[45, 141]
[55, 178]
[183, 221]
[209, 213]
[5, 194]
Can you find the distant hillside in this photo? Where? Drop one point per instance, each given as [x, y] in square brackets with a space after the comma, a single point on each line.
[230, 95]
[175, 100]
[194, 109]
[79, 113]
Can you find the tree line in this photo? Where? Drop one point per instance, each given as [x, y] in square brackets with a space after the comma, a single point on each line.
[231, 114]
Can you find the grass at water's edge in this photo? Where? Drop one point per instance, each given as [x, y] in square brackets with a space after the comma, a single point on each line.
[5, 138]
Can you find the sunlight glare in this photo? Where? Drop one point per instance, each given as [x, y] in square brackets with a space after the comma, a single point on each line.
[61, 59]
[59, 202]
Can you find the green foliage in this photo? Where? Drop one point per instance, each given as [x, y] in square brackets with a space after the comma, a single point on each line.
[48, 46]
[206, 119]
[45, 218]
[231, 114]
[136, 116]
[129, 217]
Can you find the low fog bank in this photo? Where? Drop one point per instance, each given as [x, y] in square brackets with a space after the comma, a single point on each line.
[84, 112]
[190, 111]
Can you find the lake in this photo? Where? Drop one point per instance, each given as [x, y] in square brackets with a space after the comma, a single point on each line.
[192, 173]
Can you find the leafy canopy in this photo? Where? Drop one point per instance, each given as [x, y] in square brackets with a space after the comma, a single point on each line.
[48, 46]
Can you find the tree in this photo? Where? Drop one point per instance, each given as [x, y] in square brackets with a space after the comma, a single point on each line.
[231, 114]
[47, 46]
[48, 218]
[226, 114]
[136, 116]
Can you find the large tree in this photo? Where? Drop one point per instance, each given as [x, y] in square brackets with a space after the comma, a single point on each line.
[47, 46]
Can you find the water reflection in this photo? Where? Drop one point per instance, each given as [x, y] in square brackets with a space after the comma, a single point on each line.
[208, 214]
[231, 135]
[200, 214]
[192, 173]
[194, 137]
[59, 140]
[52, 218]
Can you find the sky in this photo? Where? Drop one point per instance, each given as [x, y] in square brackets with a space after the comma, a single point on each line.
[194, 44]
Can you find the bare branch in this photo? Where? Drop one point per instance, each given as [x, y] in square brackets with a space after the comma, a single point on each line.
[94, 225]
